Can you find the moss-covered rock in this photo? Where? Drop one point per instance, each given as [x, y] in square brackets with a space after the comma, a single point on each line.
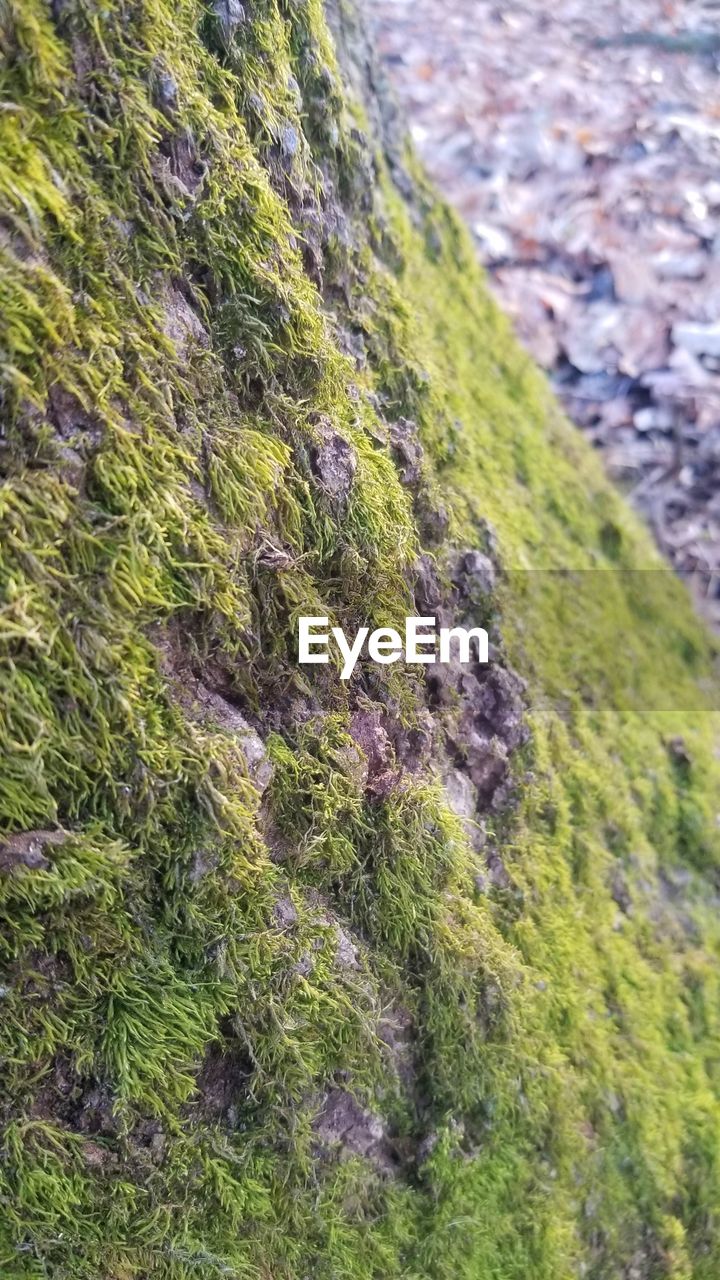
[387, 978]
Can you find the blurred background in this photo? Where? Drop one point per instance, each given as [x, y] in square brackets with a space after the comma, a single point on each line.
[581, 143]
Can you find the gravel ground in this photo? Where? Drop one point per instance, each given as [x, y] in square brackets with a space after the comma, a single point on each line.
[582, 145]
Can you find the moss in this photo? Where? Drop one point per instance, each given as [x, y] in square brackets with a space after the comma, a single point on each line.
[198, 220]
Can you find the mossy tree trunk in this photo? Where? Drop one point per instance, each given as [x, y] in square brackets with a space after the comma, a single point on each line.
[392, 977]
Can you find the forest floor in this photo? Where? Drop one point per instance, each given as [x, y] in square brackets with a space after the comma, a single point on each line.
[582, 145]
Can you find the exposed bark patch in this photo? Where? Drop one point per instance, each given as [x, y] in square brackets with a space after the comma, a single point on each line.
[620, 890]
[414, 745]
[473, 574]
[367, 730]
[179, 166]
[180, 323]
[497, 872]
[204, 862]
[346, 952]
[206, 704]
[165, 92]
[407, 451]
[222, 1082]
[427, 588]
[349, 1129]
[480, 706]
[81, 1105]
[488, 728]
[333, 464]
[462, 796]
[285, 912]
[229, 718]
[397, 1032]
[69, 417]
[26, 849]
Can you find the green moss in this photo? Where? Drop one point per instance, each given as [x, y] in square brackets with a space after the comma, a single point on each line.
[175, 997]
